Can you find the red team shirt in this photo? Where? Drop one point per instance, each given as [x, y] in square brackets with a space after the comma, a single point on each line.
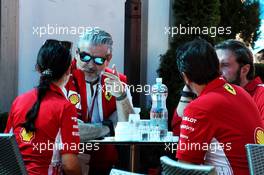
[216, 127]
[256, 89]
[56, 122]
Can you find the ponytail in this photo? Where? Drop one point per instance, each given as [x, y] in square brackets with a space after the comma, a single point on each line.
[32, 114]
[53, 61]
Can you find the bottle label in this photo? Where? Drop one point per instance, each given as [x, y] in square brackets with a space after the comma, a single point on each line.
[158, 115]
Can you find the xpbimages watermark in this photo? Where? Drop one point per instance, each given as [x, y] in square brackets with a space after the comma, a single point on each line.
[50, 146]
[55, 29]
[212, 147]
[192, 30]
[146, 89]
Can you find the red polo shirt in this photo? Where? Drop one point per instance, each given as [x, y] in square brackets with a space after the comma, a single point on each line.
[256, 89]
[56, 123]
[216, 127]
[175, 123]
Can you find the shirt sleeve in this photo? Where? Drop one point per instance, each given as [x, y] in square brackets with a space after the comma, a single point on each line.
[70, 131]
[259, 99]
[113, 117]
[195, 136]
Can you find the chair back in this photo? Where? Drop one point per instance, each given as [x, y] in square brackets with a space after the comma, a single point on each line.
[172, 167]
[255, 156]
[11, 162]
[122, 172]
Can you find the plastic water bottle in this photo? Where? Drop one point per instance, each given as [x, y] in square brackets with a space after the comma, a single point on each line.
[159, 112]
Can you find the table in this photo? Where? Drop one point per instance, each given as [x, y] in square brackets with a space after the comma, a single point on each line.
[133, 146]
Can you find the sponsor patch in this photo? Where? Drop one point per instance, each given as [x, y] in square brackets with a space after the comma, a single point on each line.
[74, 99]
[259, 135]
[26, 136]
[230, 89]
[108, 96]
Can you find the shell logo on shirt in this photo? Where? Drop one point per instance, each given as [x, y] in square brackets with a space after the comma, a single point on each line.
[74, 99]
[26, 136]
[259, 136]
[230, 89]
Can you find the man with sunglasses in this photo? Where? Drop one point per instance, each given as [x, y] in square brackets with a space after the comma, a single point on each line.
[237, 67]
[98, 93]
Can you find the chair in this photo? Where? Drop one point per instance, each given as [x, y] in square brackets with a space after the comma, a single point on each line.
[11, 162]
[255, 155]
[172, 167]
[121, 172]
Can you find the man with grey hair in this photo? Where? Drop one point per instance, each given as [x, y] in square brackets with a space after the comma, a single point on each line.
[99, 94]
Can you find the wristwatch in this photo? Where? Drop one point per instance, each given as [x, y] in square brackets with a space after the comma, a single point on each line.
[122, 97]
[188, 94]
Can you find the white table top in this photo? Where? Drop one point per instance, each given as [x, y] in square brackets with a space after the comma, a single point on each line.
[113, 140]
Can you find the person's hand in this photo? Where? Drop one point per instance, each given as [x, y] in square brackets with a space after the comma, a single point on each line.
[113, 83]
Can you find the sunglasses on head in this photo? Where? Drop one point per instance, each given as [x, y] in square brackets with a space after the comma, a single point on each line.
[65, 44]
[86, 57]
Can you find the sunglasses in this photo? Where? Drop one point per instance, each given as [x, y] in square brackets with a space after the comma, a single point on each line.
[65, 44]
[86, 57]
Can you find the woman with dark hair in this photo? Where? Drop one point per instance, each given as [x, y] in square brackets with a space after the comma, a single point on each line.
[43, 121]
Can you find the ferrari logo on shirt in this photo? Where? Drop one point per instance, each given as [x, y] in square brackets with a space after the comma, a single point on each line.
[230, 89]
[259, 136]
[26, 136]
[108, 96]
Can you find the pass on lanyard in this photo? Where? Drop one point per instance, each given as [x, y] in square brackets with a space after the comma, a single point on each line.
[93, 101]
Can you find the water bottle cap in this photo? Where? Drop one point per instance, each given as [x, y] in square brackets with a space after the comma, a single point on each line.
[159, 80]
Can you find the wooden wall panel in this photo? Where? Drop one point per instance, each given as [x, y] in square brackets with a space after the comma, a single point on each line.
[9, 53]
[132, 47]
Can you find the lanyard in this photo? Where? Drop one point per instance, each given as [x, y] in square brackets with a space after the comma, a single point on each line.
[90, 113]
